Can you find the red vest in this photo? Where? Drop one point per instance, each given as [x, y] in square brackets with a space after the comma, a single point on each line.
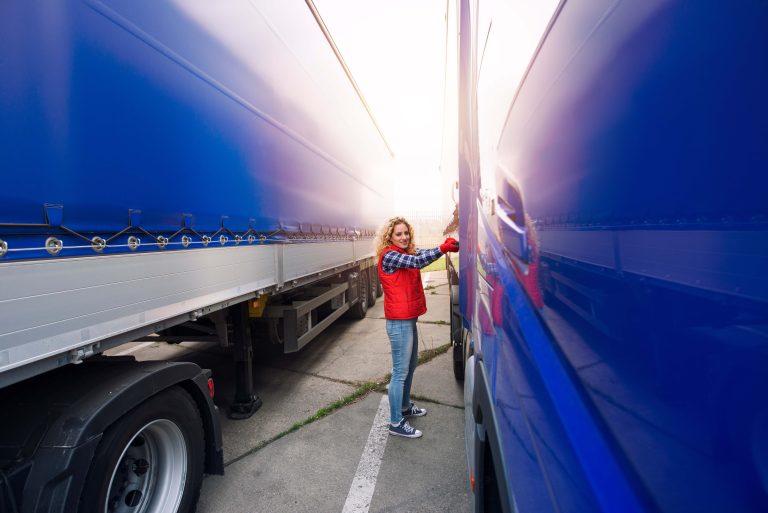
[403, 293]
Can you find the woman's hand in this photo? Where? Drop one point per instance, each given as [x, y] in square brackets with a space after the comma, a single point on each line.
[450, 245]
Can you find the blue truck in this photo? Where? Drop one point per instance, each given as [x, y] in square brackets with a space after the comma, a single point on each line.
[171, 171]
[611, 298]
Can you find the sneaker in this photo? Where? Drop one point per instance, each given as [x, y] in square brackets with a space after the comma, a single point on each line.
[414, 411]
[404, 429]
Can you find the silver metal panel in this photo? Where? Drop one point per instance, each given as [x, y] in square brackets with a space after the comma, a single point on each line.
[301, 260]
[364, 248]
[54, 306]
[54, 311]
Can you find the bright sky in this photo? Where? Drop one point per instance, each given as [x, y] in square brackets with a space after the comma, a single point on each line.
[396, 51]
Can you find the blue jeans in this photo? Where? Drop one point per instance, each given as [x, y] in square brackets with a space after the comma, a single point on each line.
[404, 340]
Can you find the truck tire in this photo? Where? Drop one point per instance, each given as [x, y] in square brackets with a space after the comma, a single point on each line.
[373, 286]
[150, 460]
[455, 315]
[275, 331]
[379, 287]
[458, 335]
[461, 355]
[360, 308]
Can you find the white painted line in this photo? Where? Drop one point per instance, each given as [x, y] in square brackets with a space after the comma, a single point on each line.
[364, 483]
[137, 347]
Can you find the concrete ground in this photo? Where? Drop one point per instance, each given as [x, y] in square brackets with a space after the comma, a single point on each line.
[317, 467]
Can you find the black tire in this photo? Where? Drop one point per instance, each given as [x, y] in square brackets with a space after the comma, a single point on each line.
[373, 286]
[151, 459]
[458, 334]
[275, 331]
[460, 355]
[360, 308]
[455, 316]
[458, 371]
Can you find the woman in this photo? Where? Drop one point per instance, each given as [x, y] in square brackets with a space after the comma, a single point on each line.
[404, 302]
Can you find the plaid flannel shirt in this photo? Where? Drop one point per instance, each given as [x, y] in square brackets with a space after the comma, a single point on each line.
[393, 260]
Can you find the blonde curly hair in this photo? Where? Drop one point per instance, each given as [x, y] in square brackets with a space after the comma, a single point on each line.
[383, 238]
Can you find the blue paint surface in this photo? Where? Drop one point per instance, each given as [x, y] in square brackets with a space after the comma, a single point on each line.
[191, 117]
[638, 140]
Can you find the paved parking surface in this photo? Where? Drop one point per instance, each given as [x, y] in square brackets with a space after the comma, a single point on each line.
[343, 462]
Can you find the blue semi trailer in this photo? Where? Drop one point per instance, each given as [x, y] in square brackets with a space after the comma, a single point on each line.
[170, 171]
[613, 301]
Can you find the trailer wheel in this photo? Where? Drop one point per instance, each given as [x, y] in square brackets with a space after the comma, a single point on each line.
[379, 287]
[150, 460]
[373, 288]
[360, 308]
[275, 331]
[461, 355]
[458, 335]
[455, 315]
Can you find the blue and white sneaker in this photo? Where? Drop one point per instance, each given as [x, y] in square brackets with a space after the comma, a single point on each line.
[404, 429]
[414, 411]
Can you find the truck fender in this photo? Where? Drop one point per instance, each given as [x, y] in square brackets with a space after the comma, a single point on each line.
[487, 441]
[102, 391]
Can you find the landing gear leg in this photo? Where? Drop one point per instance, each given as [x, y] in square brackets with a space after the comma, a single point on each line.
[246, 403]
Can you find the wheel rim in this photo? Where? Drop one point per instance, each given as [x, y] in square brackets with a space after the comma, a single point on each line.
[151, 472]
